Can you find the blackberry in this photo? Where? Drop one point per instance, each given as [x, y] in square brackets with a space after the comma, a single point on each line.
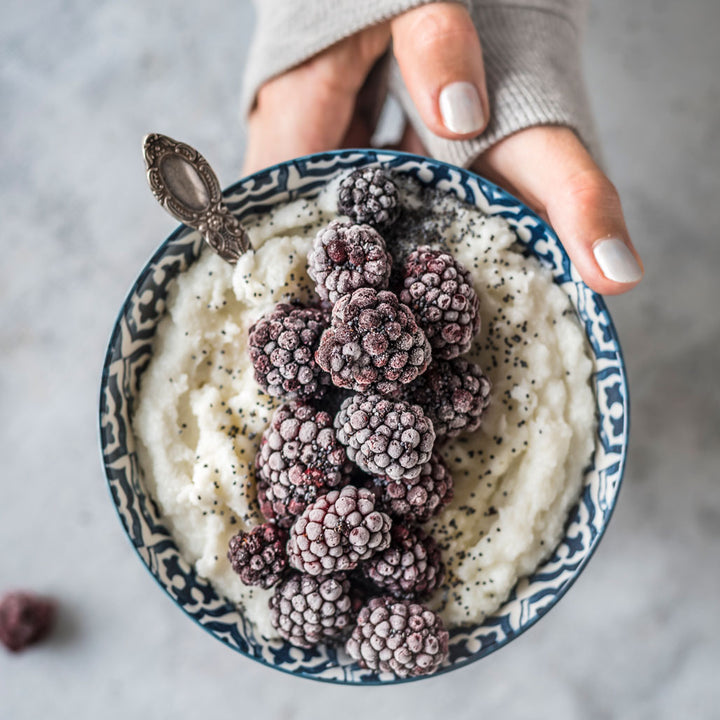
[299, 458]
[439, 290]
[410, 567]
[420, 499]
[25, 619]
[346, 257]
[385, 436]
[398, 636]
[454, 394]
[373, 343]
[307, 611]
[282, 348]
[259, 556]
[337, 531]
[369, 195]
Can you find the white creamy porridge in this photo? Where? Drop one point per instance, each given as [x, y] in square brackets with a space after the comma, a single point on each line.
[201, 413]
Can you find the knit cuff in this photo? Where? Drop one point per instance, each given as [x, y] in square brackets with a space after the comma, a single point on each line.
[533, 71]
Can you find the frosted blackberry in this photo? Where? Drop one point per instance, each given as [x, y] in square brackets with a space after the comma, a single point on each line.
[454, 394]
[422, 498]
[346, 257]
[337, 531]
[384, 436]
[373, 343]
[25, 619]
[299, 458]
[398, 636]
[259, 556]
[282, 348]
[410, 568]
[369, 195]
[439, 290]
[307, 611]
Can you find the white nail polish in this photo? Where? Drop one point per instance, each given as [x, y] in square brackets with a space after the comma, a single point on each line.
[461, 108]
[616, 261]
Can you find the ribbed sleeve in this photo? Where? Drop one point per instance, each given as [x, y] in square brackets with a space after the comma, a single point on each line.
[531, 50]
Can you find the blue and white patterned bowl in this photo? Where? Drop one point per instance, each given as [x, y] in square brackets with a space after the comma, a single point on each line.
[130, 349]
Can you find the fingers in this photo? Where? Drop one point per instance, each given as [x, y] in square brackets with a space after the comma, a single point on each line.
[550, 169]
[440, 58]
[310, 108]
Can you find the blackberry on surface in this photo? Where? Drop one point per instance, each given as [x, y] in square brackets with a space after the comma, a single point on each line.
[410, 567]
[259, 556]
[282, 348]
[299, 459]
[439, 290]
[454, 394]
[25, 619]
[369, 195]
[421, 498]
[385, 436]
[373, 343]
[346, 257]
[398, 636]
[307, 611]
[337, 531]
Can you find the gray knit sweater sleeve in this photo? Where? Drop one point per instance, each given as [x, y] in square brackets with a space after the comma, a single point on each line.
[531, 49]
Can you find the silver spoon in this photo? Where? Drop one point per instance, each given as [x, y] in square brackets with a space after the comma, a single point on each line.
[186, 186]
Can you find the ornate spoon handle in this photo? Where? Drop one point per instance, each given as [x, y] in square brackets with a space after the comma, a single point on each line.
[186, 186]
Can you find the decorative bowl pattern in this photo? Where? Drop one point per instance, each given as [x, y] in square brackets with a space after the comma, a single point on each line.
[130, 349]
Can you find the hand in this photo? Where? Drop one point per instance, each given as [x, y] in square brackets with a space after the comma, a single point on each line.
[323, 104]
[550, 170]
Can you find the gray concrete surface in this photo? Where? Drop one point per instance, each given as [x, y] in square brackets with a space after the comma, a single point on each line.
[80, 84]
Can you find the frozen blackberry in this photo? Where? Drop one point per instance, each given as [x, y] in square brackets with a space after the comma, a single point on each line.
[373, 343]
[307, 611]
[337, 531]
[454, 394]
[259, 556]
[369, 195]
[421, 498]
[398, 636]
[25, 619]
[282, 348]
[299, 458]
[438, 289]
[346, 257]
[410, 567]
[384, 436]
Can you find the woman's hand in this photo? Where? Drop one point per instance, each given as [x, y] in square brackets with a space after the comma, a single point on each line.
[550, 170]
[323, 104]
[317, 105]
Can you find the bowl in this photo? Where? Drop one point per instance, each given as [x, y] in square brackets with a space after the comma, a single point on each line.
[130, 350]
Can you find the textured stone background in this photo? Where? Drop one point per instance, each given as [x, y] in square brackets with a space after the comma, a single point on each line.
[80, 84]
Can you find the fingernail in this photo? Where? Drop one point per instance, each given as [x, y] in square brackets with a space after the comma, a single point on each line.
[616, 261]
[461, 108]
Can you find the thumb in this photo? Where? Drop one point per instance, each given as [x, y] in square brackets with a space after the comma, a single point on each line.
[310, 107]
[440, 58]
[551, 170]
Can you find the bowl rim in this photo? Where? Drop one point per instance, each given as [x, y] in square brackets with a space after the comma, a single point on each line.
[369, 156]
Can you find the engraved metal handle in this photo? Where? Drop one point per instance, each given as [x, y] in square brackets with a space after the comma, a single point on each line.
[186, 186]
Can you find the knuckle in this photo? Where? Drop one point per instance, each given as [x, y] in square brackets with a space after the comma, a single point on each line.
[436, 24]
[591, 189]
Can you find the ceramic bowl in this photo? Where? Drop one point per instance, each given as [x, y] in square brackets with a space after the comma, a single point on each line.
[130, 349]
